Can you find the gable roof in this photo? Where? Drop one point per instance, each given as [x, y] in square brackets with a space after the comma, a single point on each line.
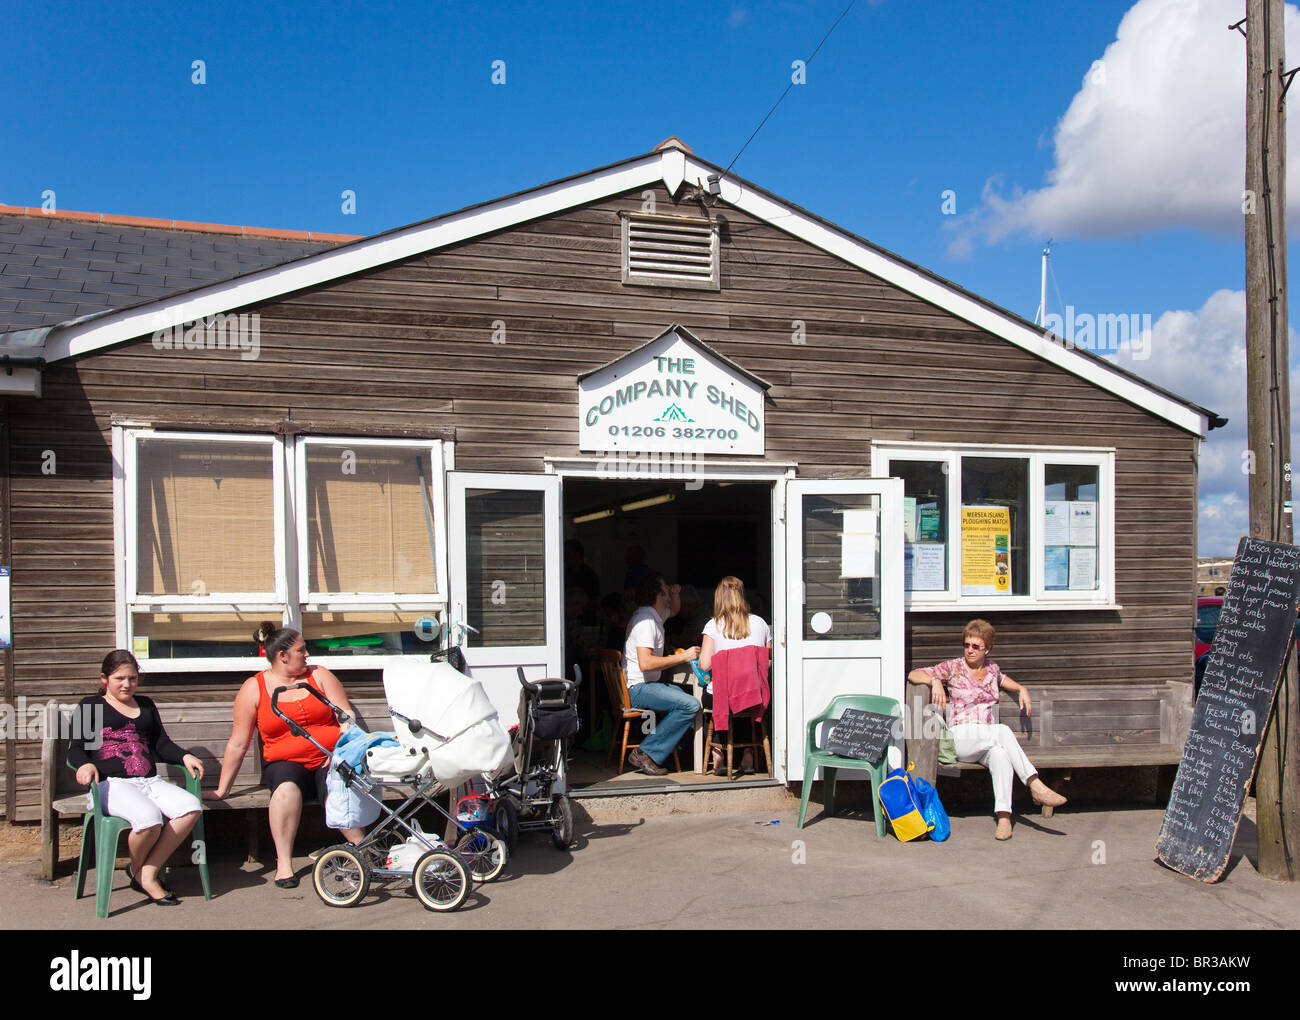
[694, 341]
[673, 166]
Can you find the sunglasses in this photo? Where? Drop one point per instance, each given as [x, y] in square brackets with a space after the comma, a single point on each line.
[977, 645]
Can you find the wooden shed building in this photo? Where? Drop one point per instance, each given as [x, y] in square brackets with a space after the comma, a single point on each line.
[669, 364]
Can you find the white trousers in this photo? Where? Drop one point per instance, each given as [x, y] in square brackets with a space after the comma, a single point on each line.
[996, 748]
[144, 802]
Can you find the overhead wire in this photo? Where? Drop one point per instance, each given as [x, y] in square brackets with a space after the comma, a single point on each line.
[786, 92]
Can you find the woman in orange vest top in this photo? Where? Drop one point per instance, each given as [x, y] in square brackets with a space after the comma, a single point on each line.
[293, 769]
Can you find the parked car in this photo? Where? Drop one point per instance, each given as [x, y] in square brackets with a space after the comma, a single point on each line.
[1208, 608]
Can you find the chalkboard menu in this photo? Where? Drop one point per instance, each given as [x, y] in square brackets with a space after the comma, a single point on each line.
[1232, 710]
[859, 734]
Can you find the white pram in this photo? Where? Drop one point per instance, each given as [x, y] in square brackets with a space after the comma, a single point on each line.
[447, 731]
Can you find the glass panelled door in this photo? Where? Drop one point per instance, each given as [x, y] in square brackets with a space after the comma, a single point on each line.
[844, 597]
[505, 567]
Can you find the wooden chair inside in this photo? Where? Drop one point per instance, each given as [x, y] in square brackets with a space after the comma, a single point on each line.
[610, 664]
[758, 741]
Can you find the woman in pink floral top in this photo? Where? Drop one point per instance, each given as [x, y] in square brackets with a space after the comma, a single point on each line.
[970, 688]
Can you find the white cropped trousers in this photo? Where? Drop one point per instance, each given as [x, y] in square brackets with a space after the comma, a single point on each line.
[996, 748]
[144, 802]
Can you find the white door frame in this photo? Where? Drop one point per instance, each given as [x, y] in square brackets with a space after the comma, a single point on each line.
[887, 651]
[689, 471]
[496, 666]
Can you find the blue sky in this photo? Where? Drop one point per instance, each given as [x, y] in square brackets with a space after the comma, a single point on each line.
[1106, 126]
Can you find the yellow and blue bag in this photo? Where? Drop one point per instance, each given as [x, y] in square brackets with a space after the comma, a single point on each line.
[902, 806]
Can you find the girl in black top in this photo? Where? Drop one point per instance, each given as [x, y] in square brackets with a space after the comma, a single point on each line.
[120, 752]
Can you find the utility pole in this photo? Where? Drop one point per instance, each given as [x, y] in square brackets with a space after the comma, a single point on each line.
[1040, 317]
[1268, 405]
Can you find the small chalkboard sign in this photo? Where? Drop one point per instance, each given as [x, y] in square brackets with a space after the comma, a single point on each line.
[859, 734]
[1232, 710]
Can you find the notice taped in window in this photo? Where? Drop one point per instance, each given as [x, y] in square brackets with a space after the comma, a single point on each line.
[985, 550]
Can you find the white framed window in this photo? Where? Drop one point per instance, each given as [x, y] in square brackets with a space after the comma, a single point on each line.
[341, 538]
[996, 527]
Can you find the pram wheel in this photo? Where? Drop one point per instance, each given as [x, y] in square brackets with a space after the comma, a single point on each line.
[341, 877]
[561, 823]
[506, 821]
[483, 854]
[440, 880]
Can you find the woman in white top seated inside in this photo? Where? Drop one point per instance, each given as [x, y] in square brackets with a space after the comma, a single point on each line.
[732, 630]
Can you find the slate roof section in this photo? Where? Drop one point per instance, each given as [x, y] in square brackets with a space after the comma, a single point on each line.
[59, 267]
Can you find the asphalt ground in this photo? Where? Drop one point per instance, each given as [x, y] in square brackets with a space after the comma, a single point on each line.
[1082, 869]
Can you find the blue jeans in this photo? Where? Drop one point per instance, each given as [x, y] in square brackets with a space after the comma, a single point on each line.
[681, 708]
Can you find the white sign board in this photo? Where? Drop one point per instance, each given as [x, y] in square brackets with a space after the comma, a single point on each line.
[674, 396]
[6, 627]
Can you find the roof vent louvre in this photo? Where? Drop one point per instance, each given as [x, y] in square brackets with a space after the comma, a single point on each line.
[670, 251]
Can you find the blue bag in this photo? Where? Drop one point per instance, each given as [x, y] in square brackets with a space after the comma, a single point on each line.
[932, 809]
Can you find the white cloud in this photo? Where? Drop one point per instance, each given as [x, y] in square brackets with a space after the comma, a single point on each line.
[1201, 355]
[1154, 138]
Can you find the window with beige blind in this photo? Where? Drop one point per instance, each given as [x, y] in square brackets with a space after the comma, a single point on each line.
[205, 516]
[339, 538]
[369, 520]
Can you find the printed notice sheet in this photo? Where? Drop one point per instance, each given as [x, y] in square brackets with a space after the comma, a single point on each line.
[1083, 523]
[1056, 522]
[858, 543]
[924, 567]
[1083, 569]
[985, 550]
[1056, 568]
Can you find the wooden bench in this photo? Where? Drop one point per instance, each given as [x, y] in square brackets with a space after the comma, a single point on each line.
[201, 727]
[1073, 726]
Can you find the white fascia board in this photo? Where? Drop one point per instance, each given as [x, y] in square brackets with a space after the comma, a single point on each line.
[276, 281]
[21, 382]
[854, 252]
[671, 167]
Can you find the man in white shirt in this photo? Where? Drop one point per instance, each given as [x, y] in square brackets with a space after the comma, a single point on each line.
[644, 658]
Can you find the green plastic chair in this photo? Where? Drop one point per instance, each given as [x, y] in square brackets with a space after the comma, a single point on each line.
[105, 830]
[832, 763]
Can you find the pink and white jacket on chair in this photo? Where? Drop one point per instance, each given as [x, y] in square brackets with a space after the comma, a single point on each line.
[740, 682]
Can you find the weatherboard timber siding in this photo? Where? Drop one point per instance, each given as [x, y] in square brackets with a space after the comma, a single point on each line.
[406, 350]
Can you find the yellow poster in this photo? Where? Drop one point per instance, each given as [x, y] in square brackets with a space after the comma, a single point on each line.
[985, 550]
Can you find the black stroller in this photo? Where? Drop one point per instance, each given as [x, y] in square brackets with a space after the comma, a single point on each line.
[535, 794]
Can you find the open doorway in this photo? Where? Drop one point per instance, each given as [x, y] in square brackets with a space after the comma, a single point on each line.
[615, 533]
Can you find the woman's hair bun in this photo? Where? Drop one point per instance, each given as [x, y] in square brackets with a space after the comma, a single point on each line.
[274, 639]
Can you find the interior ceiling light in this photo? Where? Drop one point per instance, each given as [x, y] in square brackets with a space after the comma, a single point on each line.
[595, 515]
[641, 504]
